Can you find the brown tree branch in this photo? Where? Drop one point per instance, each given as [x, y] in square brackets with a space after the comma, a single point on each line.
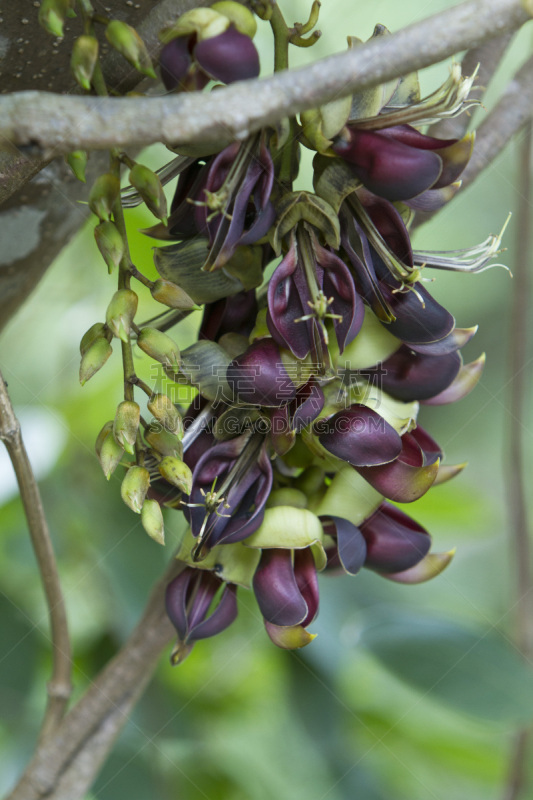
[67, 123]
[517, 502]
[59, 687]
[67, 762]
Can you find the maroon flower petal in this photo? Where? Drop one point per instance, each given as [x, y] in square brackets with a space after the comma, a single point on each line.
[174, 62]
[351, 544]
[259, 377]
[307, 582]
[221, 618]
[359, 436]
[287, 302]
[230, 56]
[395, 542]
[413, 376]
[409, 476]
[278, 594]
[388, 167]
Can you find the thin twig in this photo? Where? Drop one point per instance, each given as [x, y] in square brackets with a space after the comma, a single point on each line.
[516, 480]
[59, 687]
[63, 123]
[67, 762]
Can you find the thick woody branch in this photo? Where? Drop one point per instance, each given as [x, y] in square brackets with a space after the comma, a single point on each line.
[67, 762]
[66, 123]
[59, 687]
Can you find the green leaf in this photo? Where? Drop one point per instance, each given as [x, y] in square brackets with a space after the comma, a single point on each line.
[476, 671]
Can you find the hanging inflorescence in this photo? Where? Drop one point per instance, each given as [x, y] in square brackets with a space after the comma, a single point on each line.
[318, 340]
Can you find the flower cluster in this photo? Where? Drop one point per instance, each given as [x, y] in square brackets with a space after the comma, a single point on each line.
[317, 345]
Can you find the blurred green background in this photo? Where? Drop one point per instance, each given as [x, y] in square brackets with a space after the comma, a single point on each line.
[407, 692]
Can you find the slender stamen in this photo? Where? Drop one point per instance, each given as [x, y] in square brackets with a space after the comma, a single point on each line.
[469, 259]
[449, 100]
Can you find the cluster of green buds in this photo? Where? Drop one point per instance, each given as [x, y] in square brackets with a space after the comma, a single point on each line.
[300, 433]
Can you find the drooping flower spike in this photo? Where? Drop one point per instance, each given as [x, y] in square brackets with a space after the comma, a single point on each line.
[304, 385]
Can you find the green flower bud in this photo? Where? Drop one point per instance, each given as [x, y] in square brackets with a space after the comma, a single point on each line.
[240, 16]
[163, 442]
[134, 487]
[204, 22]
[103, 194]
[110, 244]
[320, 125]
[164, 410]
[77, 161]
[149, 187]
[96, 331]
[177, 473]
[94, 359]
[171, 295]
[126, 425]
[129, 44]
[52, 15]
[152, 521]
[108, 427]
[120, 313]
[108, 450]
[83, 60]
[160, 347]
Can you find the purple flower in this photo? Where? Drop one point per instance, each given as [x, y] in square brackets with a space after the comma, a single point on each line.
[311, 286]
[360, 436]
[400, 163]
[188, 600]
[231, 483]
[188, 64]
[259, 377]
[394, 541]
[286, 588]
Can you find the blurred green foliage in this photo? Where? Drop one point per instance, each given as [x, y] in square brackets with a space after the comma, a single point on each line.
[408, 692]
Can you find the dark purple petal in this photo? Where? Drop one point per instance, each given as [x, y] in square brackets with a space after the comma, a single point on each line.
[259, 377]
[390, 225]
[288, 296]
[336, 282]
[410, 475]
[185, 219]
[388, 167]
[413, 376]
[419, 319]
[411, 137]
[174, 62]
[359, 436]
[245, 498]
[278, 594]
[395, 542]
[176, 601]
[230, 56]
[223, 615]
[307, 582]
[235, 314]
[351, 544]
[307, 406]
